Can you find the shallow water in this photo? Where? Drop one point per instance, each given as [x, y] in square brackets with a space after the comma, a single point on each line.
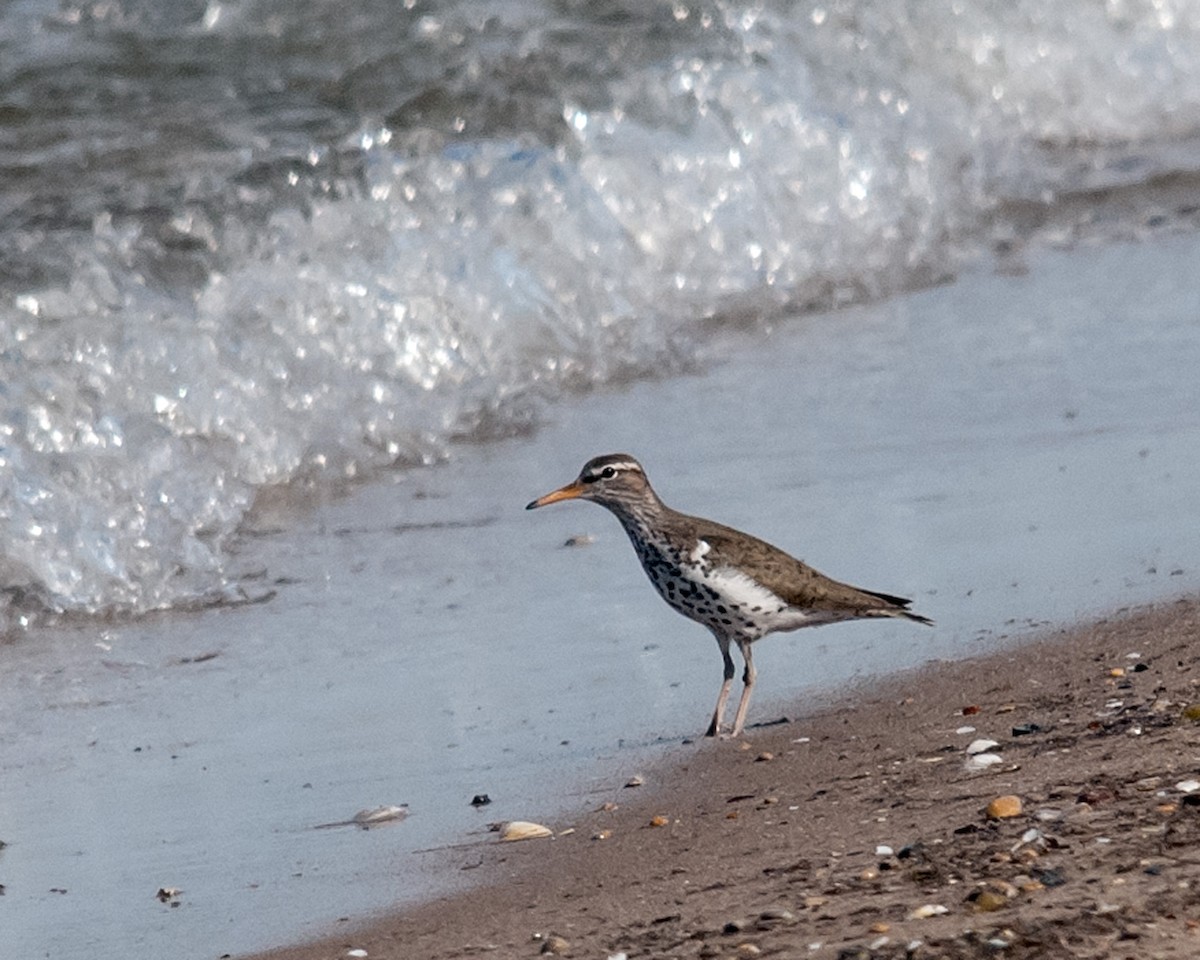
[1008, 450]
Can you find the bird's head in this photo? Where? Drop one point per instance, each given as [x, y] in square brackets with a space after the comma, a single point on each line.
[611, 481]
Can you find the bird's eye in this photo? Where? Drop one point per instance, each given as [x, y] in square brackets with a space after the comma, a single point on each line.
[608, 473]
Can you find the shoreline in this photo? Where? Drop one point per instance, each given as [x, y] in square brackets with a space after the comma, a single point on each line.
[779, 843]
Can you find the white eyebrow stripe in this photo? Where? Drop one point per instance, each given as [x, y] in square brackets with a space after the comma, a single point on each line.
[620, 465]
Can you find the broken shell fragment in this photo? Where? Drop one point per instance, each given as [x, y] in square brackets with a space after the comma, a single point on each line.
[523, 830]
[376, 815]
[927, 911]
[981, 761]
[980, 746]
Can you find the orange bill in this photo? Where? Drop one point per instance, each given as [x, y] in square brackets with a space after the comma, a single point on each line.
[569, 492]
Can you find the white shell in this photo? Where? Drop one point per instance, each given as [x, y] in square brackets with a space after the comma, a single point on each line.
[523, 830]
[981, 761]
[980, 746]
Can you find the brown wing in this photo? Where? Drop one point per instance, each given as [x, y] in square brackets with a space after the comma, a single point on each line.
[794, 581]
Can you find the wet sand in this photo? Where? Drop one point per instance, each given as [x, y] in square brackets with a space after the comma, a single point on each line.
[776, 845]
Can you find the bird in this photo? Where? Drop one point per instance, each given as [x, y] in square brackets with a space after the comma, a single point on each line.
[740, 587]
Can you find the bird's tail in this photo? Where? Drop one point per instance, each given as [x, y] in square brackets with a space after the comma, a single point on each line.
[898, 607]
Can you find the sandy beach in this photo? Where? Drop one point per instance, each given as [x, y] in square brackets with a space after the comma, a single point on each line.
[857, 829]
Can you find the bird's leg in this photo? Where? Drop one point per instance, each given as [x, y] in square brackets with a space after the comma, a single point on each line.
[714, 728]
[748, 675]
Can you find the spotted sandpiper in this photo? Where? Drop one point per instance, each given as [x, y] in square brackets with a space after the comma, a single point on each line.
[738, 586]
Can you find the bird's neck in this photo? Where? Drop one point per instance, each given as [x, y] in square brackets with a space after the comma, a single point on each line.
[643, 518]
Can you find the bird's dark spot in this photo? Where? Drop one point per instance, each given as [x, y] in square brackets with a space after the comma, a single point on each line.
[727, 621]
[721, 608]
[756, 609]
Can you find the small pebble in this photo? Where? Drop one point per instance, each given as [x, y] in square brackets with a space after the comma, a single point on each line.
[969, 711]
[579, 540]
[356, 952]
[988, 901]
[1051, 878]
[1117, 672]
[601, 834]
[879, 927]
[765, 757]
[927, 911]
[1002, 808]
[963, 731]
[556, 945]
[1003, 887]
[659, 821]
[883, 850]
[748, 950]
[480, 800]
[980, 746]
[1191, 711]
[634, 781]
[1188, 786]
